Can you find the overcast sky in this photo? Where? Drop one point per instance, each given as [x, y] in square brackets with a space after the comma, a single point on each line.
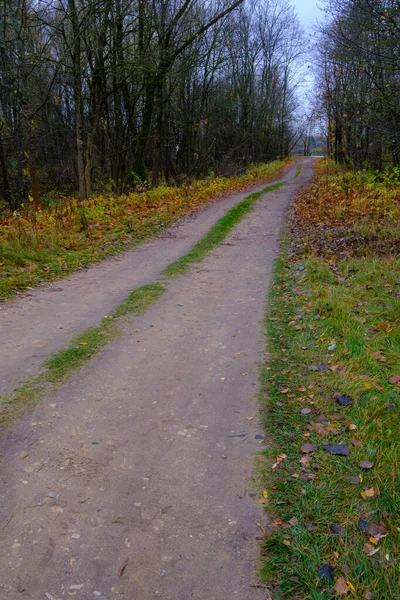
[307, 10]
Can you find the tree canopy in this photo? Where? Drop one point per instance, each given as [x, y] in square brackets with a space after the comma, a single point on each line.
[118, 92]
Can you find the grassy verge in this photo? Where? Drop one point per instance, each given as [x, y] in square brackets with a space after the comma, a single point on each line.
[56, 243]
[79, 351]
[217, 233]
[330, 384]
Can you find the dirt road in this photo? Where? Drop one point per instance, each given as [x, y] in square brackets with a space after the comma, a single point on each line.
[133, 481]
[35, 326]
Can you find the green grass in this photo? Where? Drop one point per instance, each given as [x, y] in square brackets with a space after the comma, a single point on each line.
[217, 233]
[79, 351]
[352, 306]
[139, 301]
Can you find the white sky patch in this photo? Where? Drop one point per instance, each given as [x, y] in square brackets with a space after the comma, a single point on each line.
[308, 11]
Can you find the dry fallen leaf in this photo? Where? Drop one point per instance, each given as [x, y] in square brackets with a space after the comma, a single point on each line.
[261, 527]
[368, 493]
[123, 567]
[379, 356]
[306, 448]
[332, 427]
[265, 494]
[350, 586]
[370, 550]
[377, 530]
[341, 588]
[306, 460]
[373, 540]
[395, 379]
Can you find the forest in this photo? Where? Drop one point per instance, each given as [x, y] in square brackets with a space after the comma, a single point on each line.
[358, 81]
[114, 94]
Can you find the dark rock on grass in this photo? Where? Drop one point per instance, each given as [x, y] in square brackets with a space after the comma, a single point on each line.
[337, 449]
[343, 400]
[363, 525]
[366, 464]
[327, 572]
[354, 480]
[314, 368]
[336, 529]
[322, 419]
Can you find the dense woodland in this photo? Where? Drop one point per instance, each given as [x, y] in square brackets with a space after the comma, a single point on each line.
[113, 93]
[359, 81]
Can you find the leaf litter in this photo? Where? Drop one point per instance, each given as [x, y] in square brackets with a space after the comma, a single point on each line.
[357, 397]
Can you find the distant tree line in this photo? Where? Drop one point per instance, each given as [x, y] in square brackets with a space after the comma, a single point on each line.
[126, 91]
[359, 76]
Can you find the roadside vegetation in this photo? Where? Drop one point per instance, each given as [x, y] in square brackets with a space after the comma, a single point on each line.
[53, 242]
[330, 394]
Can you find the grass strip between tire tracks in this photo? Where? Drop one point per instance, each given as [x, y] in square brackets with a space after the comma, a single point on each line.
[79, 351]
[333, 521]
[217, 233]
[88, 343]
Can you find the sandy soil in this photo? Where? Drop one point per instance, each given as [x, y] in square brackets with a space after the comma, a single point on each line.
[133, 481]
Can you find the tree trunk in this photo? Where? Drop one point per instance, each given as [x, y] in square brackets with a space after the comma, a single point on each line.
[79, 130]
[4, 175]
[33, 166]
[138, 166]
[158, 138]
